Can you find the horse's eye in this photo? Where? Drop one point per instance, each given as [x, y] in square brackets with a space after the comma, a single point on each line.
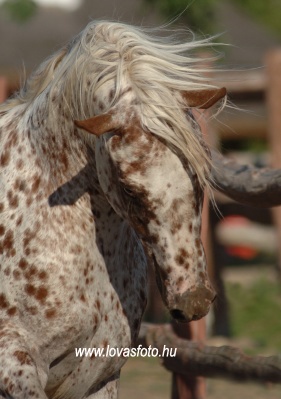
[129, 192]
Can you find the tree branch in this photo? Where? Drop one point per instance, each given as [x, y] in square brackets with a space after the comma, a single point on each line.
[258, 187]
[198, 359]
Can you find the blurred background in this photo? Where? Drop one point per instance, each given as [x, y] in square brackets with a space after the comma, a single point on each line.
[243, 243]
[30, 30]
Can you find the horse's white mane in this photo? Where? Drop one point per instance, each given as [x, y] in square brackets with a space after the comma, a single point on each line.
[157, 69]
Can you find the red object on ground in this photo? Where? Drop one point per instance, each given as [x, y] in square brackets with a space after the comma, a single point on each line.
[242, 252]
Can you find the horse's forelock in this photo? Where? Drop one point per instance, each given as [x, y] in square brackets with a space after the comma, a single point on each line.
[157, 71]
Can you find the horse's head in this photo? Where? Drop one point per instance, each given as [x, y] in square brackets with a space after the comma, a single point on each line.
[149, 184]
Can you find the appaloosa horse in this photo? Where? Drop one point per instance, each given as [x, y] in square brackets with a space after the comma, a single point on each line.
[102, 170]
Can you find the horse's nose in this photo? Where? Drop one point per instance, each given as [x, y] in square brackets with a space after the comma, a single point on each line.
[192, 305]
[178, 315]
[215, 297]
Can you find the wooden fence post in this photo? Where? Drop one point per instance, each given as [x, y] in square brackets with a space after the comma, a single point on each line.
[194, 387]
[273, 96]
[3, 89]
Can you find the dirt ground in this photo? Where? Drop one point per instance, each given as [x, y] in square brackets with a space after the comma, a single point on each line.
[143, 378]
[146, 378]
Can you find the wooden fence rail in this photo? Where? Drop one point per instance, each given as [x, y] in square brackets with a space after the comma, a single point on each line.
[249, 185]
[193, 358]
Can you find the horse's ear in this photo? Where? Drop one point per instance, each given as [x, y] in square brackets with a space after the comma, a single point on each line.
[203, 99]
[99, 125]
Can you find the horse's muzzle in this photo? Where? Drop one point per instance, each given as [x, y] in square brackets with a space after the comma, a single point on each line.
[192, 305]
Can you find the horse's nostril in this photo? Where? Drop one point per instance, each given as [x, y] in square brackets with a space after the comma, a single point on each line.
[177, 315]
[215, 297]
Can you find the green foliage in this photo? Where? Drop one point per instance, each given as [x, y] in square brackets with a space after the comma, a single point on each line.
[198, 15]
[255, 312]
[256, 145]
[20, 10]
[267, 12]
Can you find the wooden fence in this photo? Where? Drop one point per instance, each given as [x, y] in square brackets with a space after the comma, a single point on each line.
[193, 358]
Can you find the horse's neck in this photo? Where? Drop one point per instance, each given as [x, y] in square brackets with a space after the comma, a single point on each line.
[63, 157]
[69, 157]
[117, 242]
[65, 165]
[56, 144]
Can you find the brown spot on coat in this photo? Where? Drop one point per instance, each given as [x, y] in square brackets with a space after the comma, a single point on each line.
[42, 275]
[95, 319]
[30, 273]
[12, 311]
[181, 257]
[5, 158]
[19, 185]
[186, 265]
[19, 221]
[2, 229]
[35, 185]
[13, 199]
[179, 281]
[19, 164]
[23, 357]
[3, 301]
[41, 294]
[50, 313]
[32, 310]
[8, 240]
[23, 263]
[16, 274]
[176, 226]
[30, 289]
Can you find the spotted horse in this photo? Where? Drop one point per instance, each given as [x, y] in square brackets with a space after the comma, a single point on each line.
[102, 172]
